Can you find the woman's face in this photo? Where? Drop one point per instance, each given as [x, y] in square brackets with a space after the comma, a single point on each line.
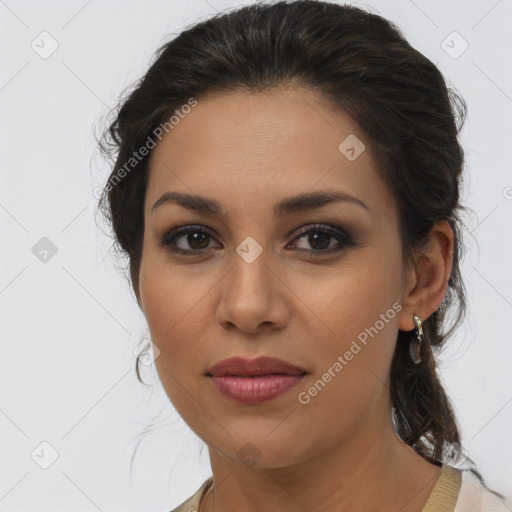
[258, 284]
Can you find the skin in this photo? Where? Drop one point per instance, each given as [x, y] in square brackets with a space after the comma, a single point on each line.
[248, 150]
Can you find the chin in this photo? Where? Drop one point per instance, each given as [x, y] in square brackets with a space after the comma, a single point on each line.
[262, 453]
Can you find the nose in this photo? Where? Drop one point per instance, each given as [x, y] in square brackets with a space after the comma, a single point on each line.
[253, 295]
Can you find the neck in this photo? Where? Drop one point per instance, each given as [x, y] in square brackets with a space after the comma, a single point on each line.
[371, 470]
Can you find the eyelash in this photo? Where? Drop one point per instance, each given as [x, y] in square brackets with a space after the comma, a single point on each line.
[341, 235]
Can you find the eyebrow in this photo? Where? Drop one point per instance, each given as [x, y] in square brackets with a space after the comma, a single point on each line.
[300, 202]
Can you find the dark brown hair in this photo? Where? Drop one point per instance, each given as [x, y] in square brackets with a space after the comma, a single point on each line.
[409, 116]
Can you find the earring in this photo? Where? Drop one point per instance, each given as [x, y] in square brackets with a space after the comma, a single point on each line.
[415, 345]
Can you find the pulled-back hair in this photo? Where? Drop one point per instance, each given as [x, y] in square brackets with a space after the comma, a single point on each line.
[400, 101]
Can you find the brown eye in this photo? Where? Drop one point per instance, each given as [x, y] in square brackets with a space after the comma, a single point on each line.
[320, 238]
[196, 239]
[189, 239]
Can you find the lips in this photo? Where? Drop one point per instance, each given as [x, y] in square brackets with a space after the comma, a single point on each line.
[254, 381]
[239, 366]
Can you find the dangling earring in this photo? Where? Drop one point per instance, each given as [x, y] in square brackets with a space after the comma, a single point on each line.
[415, 345]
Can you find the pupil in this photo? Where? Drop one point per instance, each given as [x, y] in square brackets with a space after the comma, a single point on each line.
[194, 237]
[314, 238]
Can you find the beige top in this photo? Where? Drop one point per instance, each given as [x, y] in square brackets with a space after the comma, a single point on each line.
[446, 491]
[443, 498]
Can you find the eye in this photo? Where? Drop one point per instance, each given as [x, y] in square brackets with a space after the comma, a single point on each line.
[320, 238]
[194, 236]
[191, 240]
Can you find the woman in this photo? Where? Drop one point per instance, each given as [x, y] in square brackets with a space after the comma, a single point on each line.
[286, 187]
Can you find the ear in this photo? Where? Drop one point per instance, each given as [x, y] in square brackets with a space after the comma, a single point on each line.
[426, 280]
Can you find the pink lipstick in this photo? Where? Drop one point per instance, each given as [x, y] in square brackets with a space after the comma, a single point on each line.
[254, 381]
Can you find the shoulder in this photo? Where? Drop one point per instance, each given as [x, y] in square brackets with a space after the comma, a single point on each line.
[192, 504]
[474, 497]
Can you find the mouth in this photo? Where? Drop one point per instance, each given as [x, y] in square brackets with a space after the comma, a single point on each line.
[254, 381]
[255, 389]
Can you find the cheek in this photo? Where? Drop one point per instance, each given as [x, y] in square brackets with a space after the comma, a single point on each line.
[351, 374]
[353, 298]
[359, 308]
[172, 306]
[172, 301]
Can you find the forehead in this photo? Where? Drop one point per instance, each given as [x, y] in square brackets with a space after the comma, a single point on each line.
[241, 145]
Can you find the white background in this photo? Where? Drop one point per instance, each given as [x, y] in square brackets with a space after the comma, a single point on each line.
[70, 325]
